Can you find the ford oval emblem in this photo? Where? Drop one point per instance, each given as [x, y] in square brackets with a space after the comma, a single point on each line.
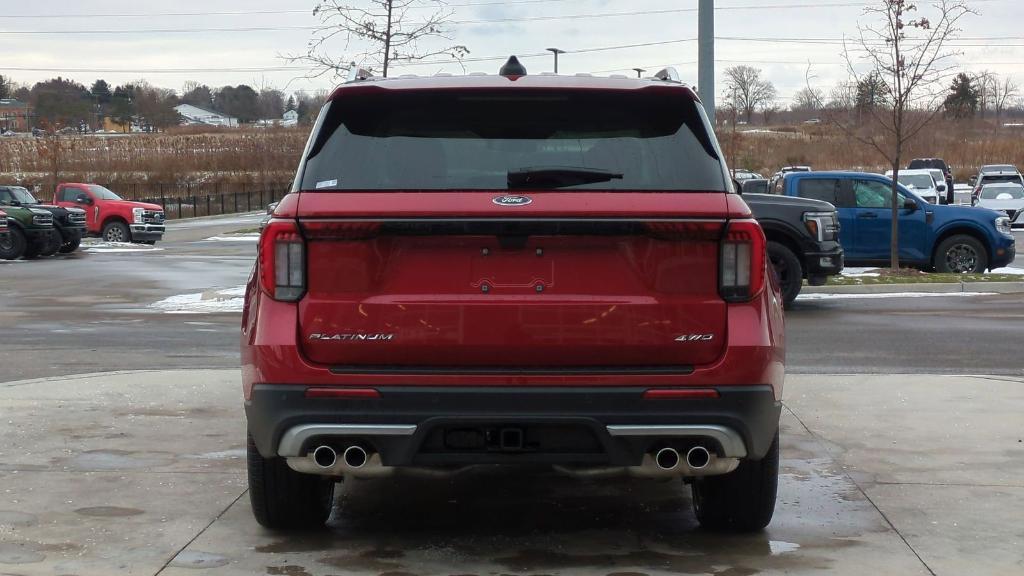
[512, 200]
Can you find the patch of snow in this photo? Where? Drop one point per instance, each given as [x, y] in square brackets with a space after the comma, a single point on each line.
[1015, 271]
[221, 301]
[778, 547]
[117, 247]
[234, 238]
[860, 272]
[888, 295]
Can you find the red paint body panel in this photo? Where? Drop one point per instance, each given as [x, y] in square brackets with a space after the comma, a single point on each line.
[430, 204]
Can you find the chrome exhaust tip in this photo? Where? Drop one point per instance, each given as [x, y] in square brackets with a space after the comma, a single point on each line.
[698, 458]
[667, 458]
[355, 457]
[325, 456]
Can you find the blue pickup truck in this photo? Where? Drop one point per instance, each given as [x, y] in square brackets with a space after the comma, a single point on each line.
[958, 239]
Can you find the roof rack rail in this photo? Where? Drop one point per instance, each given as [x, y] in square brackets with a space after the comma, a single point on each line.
[358, 73]
[668, 74]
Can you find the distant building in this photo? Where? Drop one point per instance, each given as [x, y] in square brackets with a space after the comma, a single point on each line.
[290, 118]
[15, 116]
[194, 115]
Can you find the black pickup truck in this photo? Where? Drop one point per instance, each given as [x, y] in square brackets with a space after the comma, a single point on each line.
[803, 239]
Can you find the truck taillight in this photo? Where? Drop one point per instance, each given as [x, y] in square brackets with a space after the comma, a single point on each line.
[283, 261]
[742, 267]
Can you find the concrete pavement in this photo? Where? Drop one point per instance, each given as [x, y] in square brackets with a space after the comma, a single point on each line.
[143, 473]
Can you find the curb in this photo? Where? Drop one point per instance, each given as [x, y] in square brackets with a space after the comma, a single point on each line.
[936, 288]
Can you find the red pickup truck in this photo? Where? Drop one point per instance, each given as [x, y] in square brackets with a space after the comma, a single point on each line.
[111, 217]
[517, 270]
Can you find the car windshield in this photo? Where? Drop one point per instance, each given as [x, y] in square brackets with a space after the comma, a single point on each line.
[918, 181]
[102, 193]
[17, 194]
[999, 168]
[1003, 192]
[493, 140]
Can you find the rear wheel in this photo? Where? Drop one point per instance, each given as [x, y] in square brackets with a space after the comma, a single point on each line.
[12, 245]
[787, 266]
[742, 500]
[71, 245]
[282, 498]
[117, 232]
[961, 254]
[33, 249]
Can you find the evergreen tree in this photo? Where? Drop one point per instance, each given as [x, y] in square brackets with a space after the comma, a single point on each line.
[964, 98]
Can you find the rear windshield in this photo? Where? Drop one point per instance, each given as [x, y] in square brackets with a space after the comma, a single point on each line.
[919, 164]
[483, 140]
[919, 181]
[990, 178]
[1002, 192]
[999, 168]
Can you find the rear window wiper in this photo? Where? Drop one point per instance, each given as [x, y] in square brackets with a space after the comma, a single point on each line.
[558, 177]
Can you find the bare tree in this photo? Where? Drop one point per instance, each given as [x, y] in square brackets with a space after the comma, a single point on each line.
[985, 82]
[1003, 95]
[808, 99]
[746, 90]
[907, 51]
[378, 34]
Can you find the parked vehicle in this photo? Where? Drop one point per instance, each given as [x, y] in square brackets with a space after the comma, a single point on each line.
[803, 239]
[30, 230]
[518, 284]
[754, 186]
[68, 222]
[940, 164]
[1003, 197]
[945, 238]
[776, 178]
[110, 217]
[741, 175]
[921, 182]
[992, 175]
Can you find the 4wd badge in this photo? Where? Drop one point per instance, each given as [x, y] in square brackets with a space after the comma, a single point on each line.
[512, 200]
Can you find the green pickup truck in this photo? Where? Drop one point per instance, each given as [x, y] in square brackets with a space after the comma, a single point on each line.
[31, 232]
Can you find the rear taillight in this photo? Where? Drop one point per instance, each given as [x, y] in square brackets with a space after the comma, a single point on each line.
[742, 267]
[283, 261]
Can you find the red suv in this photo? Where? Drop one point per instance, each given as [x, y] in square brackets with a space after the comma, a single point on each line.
[513, 270]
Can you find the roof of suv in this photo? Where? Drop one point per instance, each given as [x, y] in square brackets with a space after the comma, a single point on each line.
[485, 81]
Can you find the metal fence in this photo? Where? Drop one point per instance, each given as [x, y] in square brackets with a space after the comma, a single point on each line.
[189, 201]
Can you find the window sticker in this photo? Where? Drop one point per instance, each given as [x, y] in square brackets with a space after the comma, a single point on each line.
[326, 184]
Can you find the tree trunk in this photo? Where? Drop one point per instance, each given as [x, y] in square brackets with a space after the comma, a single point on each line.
[387, 38]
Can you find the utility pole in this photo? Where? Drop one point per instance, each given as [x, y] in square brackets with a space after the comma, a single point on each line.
[556, 52]
[639, 72]
[706, 56]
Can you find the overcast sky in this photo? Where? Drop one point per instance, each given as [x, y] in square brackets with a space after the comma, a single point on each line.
[94, 38]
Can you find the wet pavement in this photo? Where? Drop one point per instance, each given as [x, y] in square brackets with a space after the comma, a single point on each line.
[143, 473]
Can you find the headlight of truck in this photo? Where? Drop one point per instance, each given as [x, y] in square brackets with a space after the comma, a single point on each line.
[822, 225]
[137, 215]
[1003, 225]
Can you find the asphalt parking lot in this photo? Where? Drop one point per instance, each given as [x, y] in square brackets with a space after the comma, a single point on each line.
[909, 464]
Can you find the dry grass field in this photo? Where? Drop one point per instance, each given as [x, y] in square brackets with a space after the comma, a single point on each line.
[189, 162]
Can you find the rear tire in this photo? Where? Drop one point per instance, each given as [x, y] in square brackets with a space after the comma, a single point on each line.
[52, 246]
[13, 245]
[70, 246]
[283, 499]
[742, 500]
[117, 232]
[961, 254]
[787, 266]
[33, 250]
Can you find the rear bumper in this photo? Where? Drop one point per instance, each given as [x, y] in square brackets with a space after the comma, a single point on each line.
[413, 425]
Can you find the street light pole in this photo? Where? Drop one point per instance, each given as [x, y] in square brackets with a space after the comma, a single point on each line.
[640, 71]
[706, 56]
[556, 52]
